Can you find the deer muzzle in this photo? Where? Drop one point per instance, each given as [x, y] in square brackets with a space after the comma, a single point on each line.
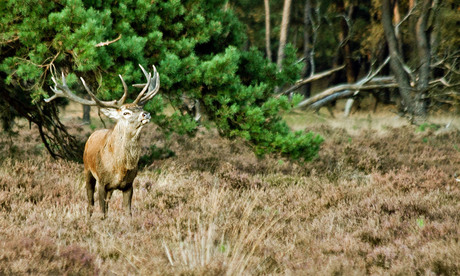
[145, 117]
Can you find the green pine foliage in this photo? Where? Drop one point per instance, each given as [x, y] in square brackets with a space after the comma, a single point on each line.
[196, 46]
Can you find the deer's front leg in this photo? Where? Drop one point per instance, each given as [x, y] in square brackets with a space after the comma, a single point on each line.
[107, 199]
[104, 196]
[90, 185]
[127, 197]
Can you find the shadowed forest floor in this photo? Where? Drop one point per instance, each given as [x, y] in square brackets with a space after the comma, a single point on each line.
[381, 198]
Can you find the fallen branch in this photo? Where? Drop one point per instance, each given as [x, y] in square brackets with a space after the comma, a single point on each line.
[344, 93]
[347, 90]
[381, 82]
[368, 82]
[312, 78]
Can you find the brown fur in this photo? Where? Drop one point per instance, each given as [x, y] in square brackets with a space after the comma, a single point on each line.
[111, 158]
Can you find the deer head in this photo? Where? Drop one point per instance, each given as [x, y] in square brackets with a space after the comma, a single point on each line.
[130, 117]
[111, 156]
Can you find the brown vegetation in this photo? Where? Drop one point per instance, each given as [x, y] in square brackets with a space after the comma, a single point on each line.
[374, 202]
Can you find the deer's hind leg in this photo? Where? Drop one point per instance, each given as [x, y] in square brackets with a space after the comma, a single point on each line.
[90, 186]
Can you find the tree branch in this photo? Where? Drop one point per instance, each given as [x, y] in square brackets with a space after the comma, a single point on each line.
[312, 78]
[350, 90]
[102, 44]
[359, 85]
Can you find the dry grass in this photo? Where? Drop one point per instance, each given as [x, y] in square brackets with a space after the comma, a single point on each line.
[377, 200]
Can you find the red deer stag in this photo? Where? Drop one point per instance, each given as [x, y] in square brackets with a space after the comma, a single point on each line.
[111, 155]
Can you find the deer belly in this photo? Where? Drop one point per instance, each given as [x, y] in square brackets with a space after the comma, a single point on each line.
[122, 181]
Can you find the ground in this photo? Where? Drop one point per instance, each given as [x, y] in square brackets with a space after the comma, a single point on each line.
[382, 197]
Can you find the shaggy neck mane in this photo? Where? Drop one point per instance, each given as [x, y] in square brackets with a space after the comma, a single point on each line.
[124, 143]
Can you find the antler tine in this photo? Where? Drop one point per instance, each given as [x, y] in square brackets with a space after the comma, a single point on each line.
[125, 93]
[153, 85]
[63, 79]
[141, 85]
[51, 98]
[57, 93]
[96, 100]
[149, 79]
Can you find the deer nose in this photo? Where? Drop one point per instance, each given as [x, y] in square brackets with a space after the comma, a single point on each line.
[146, 115]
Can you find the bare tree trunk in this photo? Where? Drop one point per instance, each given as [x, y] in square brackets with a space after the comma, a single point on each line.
[346, 49]
[283, 33]
[307, 70]
[267, 30]
[86, 114]
[344, 38]
[397, 20]
[424, 56]
[396, 64]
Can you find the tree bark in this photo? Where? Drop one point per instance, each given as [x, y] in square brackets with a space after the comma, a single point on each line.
[267, 30]
[283, 33]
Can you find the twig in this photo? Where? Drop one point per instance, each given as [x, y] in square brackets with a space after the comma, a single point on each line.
[405, 18]
[168, 254]
[102, 44]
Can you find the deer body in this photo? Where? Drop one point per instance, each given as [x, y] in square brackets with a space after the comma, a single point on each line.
[111, 155]
[106, 161]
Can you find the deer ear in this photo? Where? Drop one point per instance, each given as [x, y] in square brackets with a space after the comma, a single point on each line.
[111, 113]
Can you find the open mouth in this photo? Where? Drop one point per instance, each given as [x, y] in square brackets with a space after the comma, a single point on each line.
[145, 118]
[143, 122]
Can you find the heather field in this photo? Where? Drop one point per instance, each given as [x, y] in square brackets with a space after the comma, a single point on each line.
[381, 198]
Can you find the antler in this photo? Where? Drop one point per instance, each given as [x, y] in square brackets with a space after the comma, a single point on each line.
[150, 89]
[61, 90]
[152, 86]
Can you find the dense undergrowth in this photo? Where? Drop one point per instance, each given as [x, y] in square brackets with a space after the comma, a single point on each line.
[374, 203]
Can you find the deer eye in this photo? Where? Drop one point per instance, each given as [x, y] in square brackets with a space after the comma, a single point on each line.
[126, 113]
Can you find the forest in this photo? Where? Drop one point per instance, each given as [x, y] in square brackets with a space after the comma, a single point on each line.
[278, 137]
